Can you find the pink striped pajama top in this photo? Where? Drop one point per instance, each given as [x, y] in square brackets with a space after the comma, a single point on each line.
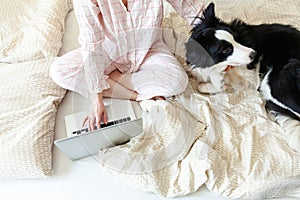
[113, 36]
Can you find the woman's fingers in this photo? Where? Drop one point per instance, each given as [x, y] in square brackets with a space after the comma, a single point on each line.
[92, 124]
[92, 121]
[96, 113]
[84, 121]
[104, 117]
[98, 121]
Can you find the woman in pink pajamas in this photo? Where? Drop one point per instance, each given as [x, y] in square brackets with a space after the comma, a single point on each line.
[122, 53]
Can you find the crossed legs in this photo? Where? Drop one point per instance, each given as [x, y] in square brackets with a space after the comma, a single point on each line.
[121, 87]
[159, 76]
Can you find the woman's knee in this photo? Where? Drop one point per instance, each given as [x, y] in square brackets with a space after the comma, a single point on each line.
[179, 83]
[172, 83]
[176, 79]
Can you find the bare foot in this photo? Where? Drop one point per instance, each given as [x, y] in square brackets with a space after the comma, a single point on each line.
[115, 75]
[158, 98]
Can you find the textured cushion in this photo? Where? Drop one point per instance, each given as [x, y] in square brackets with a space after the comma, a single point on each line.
[28, 104]
[31, 29]
[259, 11]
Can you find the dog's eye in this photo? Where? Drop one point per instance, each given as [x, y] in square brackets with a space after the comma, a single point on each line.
[228, 50]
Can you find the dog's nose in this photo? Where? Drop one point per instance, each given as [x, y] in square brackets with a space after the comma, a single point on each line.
[252, 55]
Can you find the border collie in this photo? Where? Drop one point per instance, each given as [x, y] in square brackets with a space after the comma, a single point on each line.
[273, 48]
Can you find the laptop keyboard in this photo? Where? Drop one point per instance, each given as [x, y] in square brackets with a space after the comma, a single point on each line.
[110, 123]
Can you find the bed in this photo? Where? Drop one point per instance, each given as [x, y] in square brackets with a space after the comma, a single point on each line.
[207, 148]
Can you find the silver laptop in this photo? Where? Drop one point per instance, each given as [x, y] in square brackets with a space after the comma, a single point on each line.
[121, 127]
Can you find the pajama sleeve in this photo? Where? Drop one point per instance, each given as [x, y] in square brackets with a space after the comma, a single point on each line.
[188, 9]
[90, 38]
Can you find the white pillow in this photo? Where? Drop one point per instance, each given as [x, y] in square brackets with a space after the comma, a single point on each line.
[28, 105]
[259, 11]
[31, 29]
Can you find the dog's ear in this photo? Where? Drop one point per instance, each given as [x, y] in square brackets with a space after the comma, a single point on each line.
[210, 10]
[208, 17]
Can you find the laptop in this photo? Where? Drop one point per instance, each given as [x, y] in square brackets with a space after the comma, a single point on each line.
[121, 127]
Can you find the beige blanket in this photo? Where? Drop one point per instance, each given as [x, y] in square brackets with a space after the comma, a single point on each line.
[226, 141]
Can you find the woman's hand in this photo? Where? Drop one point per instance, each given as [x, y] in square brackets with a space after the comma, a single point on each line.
[96, 112]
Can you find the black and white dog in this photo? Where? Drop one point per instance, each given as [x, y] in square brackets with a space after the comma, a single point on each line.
[274, 48]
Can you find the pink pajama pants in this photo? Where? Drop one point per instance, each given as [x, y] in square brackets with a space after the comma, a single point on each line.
[160, 74]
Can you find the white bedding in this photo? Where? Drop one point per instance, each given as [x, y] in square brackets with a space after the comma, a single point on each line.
[86, 178]
[236, 150]
[31, 29]
[81, 179]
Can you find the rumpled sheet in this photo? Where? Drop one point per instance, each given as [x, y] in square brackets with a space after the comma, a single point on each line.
[162, 159]
[226, 141]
